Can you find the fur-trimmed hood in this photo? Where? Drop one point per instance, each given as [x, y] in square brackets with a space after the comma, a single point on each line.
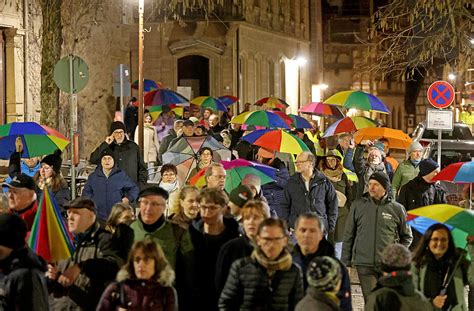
[166, 278]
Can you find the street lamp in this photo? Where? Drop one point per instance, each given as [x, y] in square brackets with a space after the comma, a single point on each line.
[452, 76]
[141, 5]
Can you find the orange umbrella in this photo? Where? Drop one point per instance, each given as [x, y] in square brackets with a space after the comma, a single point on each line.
[396, 138]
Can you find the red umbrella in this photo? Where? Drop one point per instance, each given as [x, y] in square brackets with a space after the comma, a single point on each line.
[323, 110]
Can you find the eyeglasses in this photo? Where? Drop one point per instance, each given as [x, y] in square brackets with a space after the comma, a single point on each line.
[437, 240]
[119, 132]
[169, 175]
[300, 162]
[271, 240]
[146, 202]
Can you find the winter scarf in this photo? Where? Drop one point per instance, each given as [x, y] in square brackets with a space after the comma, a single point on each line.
[283, 262]
[169, 187]
[334, 175]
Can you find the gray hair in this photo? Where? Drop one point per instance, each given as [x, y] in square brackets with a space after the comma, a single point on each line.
[3, 203]
[312, 216]
[310, 157]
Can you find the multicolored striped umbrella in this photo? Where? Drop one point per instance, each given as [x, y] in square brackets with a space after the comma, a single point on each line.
[460, 173]
[349, 124]
[272, 102]
[148, 85]
[209, 102]
[323, 110]
[264, 118]
[299, 122]
[228, 99]
[161, 97]
[50, 237]
[358, 100]
[37, 139]
[276, 140]
[459, 220]
[236, 171]
[155, 111]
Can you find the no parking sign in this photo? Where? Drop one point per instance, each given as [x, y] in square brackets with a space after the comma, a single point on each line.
[440, 94]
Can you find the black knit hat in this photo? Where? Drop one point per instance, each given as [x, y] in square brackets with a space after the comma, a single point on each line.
[324, 273]
[107, 152]
[12, 231]
[382, 178]
[395, 257]
[427, 166]
[54, 160]
[116, 125]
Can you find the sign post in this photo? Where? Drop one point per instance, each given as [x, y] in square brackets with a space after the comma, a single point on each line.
[440, 95]
[71, 75]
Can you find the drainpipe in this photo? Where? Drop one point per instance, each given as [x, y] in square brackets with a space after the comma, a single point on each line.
[26, 107]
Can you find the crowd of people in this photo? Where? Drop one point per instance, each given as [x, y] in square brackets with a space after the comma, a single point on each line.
[146, 239]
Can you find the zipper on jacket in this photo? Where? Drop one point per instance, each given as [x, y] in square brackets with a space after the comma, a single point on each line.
[375, 231]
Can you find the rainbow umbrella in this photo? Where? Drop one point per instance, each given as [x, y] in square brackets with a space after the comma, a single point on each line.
[460, 173]
[37, 139]
[228, 99]
[272, 102]
[49, 237]
[262, 118]
[358, 100]
[299, 122]
[148, 85]
[161, 97]
[236, 171]
[209, 102]
[155, 111]
[349, 124]
[459, 220]
[322, 110]
[396, 138]
[276, 140]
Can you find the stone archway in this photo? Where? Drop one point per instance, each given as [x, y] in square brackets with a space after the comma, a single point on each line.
[193, 71]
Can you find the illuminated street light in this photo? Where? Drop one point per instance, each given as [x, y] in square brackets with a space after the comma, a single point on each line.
[472, 41]
[301, 61]
[452, 76]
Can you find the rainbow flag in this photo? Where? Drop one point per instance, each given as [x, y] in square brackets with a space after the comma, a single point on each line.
[49, 237]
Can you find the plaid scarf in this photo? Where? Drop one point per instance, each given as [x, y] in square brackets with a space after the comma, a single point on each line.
[283, 262]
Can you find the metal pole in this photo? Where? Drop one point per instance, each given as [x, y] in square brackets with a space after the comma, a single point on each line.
[121, 94]
[439, 148]
[140, 73]
[71, 125]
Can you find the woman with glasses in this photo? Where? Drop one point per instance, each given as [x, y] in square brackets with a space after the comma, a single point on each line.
[268, 279]
[186, 207]
[145, 282]
[169, 181]
[205, 156]
[433, 263]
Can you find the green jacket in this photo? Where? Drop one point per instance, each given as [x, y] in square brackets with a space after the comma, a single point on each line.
[171, 237]
[419, 276]
[405, 172]
[370, 227]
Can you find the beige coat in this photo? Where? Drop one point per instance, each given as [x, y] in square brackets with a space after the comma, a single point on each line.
[150, 143]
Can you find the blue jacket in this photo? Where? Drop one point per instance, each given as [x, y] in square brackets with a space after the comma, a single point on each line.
[273, 191]
[321, 199]
[105, 192]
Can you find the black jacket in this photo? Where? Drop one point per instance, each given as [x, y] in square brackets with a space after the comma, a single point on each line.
[231, 251]
[320, 199]
[273, 191]
[417, 193]
[206, 249]
[127, 157]
[249, 287]
[325, 249]
[22, 282]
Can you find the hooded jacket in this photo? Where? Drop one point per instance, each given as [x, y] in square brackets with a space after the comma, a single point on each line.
[134, 294]
[105, 191]
[370, 227]
[23, 285]
[320, 199]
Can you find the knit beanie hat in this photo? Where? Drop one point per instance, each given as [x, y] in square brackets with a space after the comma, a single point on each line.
[427, 166]
[382, 178]
[324, 273]
[116, 125]
[241, 195]
[395, 257]
[12, 231]
[107, 152]
[54, 160]
[414, 146]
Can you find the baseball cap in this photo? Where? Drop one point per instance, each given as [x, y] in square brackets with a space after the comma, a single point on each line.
[21, 181]
[240, 195]
[81, 202]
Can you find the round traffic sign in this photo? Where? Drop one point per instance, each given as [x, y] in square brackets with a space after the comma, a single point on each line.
[440, 94]
[67, 66]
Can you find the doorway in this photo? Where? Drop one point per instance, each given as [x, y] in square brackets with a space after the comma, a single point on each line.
[193, 71]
